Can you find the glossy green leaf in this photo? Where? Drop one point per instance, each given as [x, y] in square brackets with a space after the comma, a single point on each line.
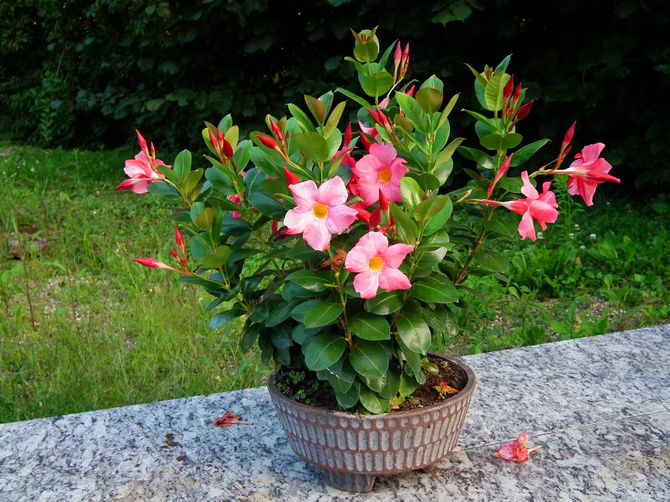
[341, 375]
[182, 165]
[310, 280]
[435, 289]
[373, 402]
[322, 351]
[279, 312]
[493, 92]
[384, 303]
[354, 97]
[312, 145]
[376, 84]
[369, 359]
[522, 155]
[497, 141]
[300, 311]
[370, 327]
[417, 117]
[301, 117]
[413, 360]
[334, 119]
[349, 399]
[406, 228]
[300, 333]
[323, 315]
[249, 336]
[410, 191]
[414, 332]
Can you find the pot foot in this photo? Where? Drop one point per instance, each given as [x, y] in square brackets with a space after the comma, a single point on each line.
[351, 482]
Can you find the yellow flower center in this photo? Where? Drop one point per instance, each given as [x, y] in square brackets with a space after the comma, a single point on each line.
[320, 211]
[385, 175]
[376, 264]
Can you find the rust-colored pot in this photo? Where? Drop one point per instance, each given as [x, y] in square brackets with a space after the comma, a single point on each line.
[353, 449]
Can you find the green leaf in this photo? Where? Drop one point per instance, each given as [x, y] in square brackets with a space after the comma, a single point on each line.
[522, 155]
[334, 119]
[434, 213]
[220, 181]
[249, 336]
[300, 334]
[301, 117]
[281, 338]
[413, 360]
[349, 399]
[414, 332]
[406, 228]
[435, 289]
[497, 141]
[312, 145]
[491, 262]
[310, 280]
[279, 312]
[223, 318]
[430, 100]
[502, 66]
[410, 191]
[384, 303]
[162, 189]
[190, 183]
[354, 97]
[447, 109]
[377, 83]
[182, 165]
[493, 92]
[341, 376]
[417, 117]
[300, 311]
[242, 154]
[322, 351]
[407, 385]
[428, 260]
[200, 247]
[218, 258]
[369, 359]
[370, 327]
[481, 158]
[323, 315]
[373, 402]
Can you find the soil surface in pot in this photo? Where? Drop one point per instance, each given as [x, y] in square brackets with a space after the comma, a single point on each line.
[304, 387]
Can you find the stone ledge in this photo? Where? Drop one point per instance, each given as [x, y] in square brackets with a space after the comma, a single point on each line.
[599, 406]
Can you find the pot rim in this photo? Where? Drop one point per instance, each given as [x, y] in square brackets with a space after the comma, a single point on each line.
[463, 394]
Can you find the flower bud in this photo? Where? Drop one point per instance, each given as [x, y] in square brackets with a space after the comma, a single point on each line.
[291, 178]
[524, 110]
[366, 48]
[267, 141]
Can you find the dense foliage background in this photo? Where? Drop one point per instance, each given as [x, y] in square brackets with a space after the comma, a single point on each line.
[86, 73]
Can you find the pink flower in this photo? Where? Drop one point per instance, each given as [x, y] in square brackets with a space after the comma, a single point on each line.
[235, 199]
[516, 451]
[320, 212]
[376, 265]
[142, 171]
[587, 172]
[380, 170]
[539, 207]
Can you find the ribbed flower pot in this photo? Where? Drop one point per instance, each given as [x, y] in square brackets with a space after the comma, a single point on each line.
[353, 449]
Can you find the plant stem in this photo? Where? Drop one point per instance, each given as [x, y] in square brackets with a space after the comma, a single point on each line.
[479, 242]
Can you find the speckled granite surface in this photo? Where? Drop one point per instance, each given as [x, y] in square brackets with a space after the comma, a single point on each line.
[567, 396]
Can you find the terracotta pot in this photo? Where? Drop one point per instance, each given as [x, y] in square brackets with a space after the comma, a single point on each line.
[353, 449]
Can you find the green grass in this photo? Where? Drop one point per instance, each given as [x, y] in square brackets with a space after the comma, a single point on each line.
[82, 327]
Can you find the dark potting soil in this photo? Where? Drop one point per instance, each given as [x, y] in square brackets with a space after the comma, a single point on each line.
[304, 387]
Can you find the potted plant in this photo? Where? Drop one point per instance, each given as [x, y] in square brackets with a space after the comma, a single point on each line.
[344, 252]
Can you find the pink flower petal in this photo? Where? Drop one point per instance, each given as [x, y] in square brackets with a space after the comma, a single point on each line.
[526, 228]
[386, 154]
[304, 194]
[395, 254]
[528, 189]
[366, 284]
[358, 259]
[340, 218]
[317, 235]
[391, 279]
[333, 192]
[590, 153]
[296, 220]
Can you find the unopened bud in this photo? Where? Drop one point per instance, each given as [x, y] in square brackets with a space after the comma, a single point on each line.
[267, 141]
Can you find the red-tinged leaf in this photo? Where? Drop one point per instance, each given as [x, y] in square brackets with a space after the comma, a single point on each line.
[229, 419]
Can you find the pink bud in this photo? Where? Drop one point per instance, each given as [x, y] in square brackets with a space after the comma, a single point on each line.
[180, 241]
[501, 172]
[227, 148]
[524, 110]
[213, 141]
[507, 92]
[291, 178]
[275, 130]
[375, 218]
[151, 263]
[364, 141]
[397, 58]
[347, 135]
[517, 93]
[142, 142]
[405, 61]
[410, 92]
[567, 139]
[267, 141]
[383, 203]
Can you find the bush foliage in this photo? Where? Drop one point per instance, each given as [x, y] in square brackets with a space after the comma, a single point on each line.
[87, 73]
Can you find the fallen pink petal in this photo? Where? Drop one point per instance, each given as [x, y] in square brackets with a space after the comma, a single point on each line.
[516, 451]
[229, 419]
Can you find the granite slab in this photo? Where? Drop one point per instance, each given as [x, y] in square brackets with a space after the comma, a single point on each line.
[599, 407]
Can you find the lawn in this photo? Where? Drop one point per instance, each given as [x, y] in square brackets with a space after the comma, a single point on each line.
[82, 327]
